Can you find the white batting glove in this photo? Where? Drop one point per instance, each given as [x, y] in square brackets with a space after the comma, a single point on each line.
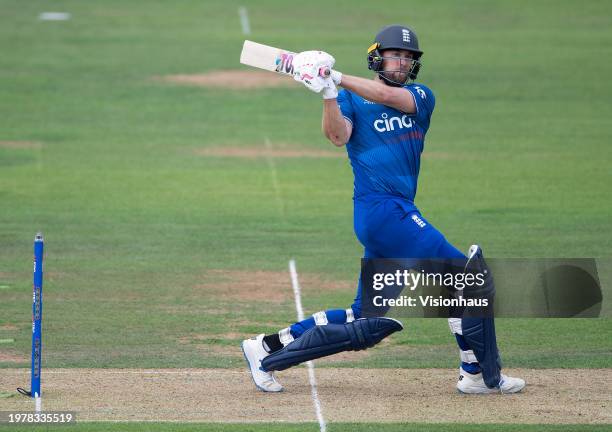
[336, 77]
[329, 91]
[306, 77]
[309, 68]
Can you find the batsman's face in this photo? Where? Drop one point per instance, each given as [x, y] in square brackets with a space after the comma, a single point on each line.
[397, 64]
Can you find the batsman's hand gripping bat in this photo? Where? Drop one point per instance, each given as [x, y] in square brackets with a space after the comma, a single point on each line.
[272, 59]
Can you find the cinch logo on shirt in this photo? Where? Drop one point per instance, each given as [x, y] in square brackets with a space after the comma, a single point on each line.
[389, 124]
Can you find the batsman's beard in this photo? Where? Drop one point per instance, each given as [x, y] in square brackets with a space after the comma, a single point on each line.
[396, 77]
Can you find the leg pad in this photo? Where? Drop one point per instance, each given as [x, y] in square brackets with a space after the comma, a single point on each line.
[325, 340]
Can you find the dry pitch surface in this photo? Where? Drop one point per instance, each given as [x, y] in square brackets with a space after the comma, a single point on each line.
[346, 394]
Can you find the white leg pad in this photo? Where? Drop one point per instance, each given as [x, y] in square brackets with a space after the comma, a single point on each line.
[285, 336]
[455, 325]
[468, 356]
[320, 318]
[350, 316]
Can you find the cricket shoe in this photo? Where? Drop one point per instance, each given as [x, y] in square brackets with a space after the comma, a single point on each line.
[474, 384]
[254, 353]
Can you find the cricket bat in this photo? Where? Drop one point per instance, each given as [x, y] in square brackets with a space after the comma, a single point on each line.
[272, 59]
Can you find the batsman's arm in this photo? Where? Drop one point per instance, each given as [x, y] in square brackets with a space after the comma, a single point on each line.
[336, 128]
[375, 91]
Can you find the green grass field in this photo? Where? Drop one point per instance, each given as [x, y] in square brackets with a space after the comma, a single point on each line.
[106, 166]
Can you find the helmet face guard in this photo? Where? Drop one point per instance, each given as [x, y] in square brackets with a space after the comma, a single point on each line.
[395, 37]
[375, 63]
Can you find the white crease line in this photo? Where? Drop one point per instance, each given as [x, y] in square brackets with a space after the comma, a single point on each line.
[274, 173]
[244, 20]
[54, 16]
[295, 283]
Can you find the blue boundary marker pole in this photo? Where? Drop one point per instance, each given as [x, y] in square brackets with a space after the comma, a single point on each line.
[37, 306]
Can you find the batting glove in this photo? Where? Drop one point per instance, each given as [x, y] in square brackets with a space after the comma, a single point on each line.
[336, 77]
[329, 91]
[309, 68]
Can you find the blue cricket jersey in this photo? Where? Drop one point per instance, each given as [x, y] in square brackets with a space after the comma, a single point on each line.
[386, 144]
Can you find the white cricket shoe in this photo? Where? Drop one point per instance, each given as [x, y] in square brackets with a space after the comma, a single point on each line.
[474, 384]
[254, 353]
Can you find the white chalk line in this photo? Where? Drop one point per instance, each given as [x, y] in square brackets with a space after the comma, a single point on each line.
[295, 283]
[244, 20]
[54, 16]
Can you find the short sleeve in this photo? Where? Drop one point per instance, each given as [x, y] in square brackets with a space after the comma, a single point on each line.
[346, 105]
[425, 102]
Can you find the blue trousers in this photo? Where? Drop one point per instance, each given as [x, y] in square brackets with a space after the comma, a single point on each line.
[388, 228]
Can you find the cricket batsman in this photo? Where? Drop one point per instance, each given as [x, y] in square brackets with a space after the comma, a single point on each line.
[382, 122]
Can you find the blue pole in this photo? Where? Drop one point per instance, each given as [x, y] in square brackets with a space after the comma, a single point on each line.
[37, 304]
